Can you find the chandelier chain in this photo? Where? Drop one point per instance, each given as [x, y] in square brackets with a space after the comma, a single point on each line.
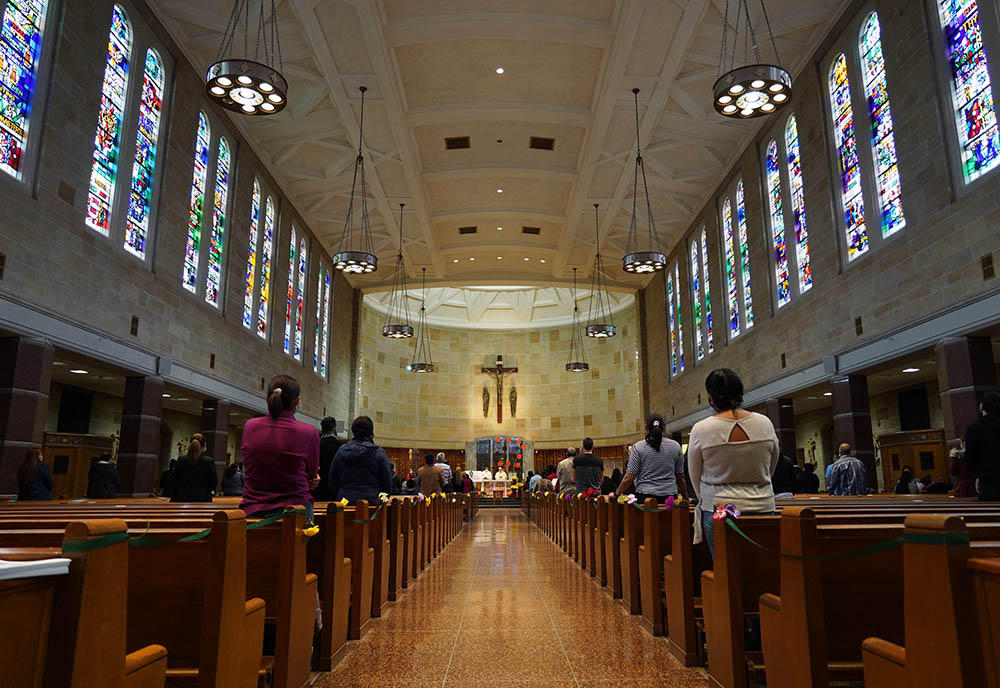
[767, 22]
[725, 37]
[736, 38]
[753, 36]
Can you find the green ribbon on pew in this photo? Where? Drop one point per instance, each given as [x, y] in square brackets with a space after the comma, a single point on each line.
[372, 517]
[96, 543]
[867, 550]
[273, 518]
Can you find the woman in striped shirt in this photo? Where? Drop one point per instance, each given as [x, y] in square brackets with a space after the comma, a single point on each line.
[655, 466]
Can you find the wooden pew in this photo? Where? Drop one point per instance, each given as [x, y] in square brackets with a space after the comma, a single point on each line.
[362, 557]
[590, 535]
[682, 569]
[656, 527]
[326, 557]
[396, 537]
[380, 562]
[600, 540]
[612, 547]
[631, 539]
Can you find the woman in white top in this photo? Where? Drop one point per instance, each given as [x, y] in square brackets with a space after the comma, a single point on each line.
[731, 455]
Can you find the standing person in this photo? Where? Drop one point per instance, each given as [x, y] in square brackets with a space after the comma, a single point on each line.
[906, 484]
[848, 477]
[397, 482]
[829, 466]
[501, 474]
[232, 481]
[588, 469]
[808, 481]
[732, 455]
[965, 481]
[102, 480]
[446, 469]
[280, 454]
[783, 478]
[564, 473]
[360, 470]
[430, 477]
[982, 447]
[166, 484]
[195, 477]
[655, 465]
[329, 444]
[34, 479]
[467, 486]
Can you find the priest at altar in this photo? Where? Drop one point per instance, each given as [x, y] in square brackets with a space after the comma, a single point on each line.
[501, 475]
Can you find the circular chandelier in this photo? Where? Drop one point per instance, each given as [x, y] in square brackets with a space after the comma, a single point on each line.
[356, 252]
[397, 317]
[249, 85]
[754, 89]
[641, 260]
[600, 323]
[577, 357]
[422, 361]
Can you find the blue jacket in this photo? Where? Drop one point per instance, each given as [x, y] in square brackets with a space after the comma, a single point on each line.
[360, 470]
[40, 485]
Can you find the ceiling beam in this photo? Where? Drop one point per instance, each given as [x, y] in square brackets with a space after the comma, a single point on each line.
[499, 26]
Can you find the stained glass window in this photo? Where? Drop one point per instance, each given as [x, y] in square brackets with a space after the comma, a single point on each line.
[20, 50]
[252, 256]
[699, 339]
[265, 268]
[299, 305]
[290, 303]
[851, 196]
[741, 217]
[971, 91]
[777, 225]
[732, 291]
[107, 140]
[319, 319]
[671, 323]
[709, 335]
[213, 279]
[883, 141]
[798, 205]
[200, 174]
[326, 324]
[680, 329]
[144, 164]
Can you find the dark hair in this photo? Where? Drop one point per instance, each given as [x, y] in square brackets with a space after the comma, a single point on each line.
[810, 468]
[530, 473]
[278, 402]
[105, 456]
[362, 428]
[726, 389]
[327, 424]
[588, 443]
[991, 402]
[616, 476]
[26, 471]
[194, 451]
[654, 430]
[172, 464]
[231, 470]
[411, 483]
[906, 469]
[429, 459]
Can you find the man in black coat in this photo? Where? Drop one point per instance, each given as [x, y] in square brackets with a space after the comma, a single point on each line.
[328, 446]
[982, 447]
[102, 480]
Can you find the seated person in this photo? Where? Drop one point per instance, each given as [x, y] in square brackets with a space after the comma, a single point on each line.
[360, 470]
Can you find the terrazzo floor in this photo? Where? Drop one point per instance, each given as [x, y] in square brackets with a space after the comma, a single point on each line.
[503, 607]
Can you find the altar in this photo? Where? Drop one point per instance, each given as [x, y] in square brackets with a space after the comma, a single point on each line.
[494, 488]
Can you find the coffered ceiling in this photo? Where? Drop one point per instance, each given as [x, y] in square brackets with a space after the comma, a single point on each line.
[431, 69]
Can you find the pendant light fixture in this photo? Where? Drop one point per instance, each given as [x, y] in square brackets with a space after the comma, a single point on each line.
[397, 318]
[641, 260]
[577, 357]
[600, 322]
[356, 252]
[754, 89]
[422, 361]
[250, 85]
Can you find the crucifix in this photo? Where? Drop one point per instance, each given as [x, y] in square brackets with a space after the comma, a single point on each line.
[497, 373]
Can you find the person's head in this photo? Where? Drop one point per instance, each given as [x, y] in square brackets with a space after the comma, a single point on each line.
[194, 451]
[283, 394]
[906, 474]
[810, 468]
[571, 452]
[26, 471]
[362, 428]
[105, 456]
[844, 449]
[231, 470]
[410, 484]
[530, 473]
[173, 464]
[588, 444]
[654, 430]
[725, 389]
[328, 425]
[429, 459]
[991, 404]
[201, 440]
[616, 475]
[440, 457]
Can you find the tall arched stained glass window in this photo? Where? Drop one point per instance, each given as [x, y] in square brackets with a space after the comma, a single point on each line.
[290, 302]
[709, 335]
[777, 212]
[971, 91]
[107, 140]
[883, 140]
[199, 178]
[741, 218]
[299, 300]
[264, 300]
[680, 328]
[319, 319]
[326, 324]
[20, 48]
[144, 165]
[671, 323]
[252, 256]
[798, 205]
[213, 278]
[732, 289]
[699, 338]
[851, 190]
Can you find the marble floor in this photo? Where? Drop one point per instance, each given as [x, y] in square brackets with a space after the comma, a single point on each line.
[503, 607]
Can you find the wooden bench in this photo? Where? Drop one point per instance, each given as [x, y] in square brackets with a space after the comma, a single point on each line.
[362, 556]
[656, 539]
[326, 556]
[612, 547]
[631, 539]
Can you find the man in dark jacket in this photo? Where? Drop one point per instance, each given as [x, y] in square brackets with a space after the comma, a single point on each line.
[982, 447]
[329, 444]
[102, 481]
[783, 480]
[808, 481]
[360, 470]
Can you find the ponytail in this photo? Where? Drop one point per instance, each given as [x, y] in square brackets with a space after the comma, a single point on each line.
[654, 431]
[282, 394]
[194, 451]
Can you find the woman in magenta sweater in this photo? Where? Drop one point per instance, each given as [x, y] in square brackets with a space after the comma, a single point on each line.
[280, 454]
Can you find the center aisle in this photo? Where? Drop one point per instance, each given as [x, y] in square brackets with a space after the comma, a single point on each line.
[503, 607]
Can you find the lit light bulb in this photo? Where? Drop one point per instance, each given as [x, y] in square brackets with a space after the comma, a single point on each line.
[245, 80]
[729, 109]
[736, 89]
[776, 87]
[757, 83]
[725, 100]
[780, 98]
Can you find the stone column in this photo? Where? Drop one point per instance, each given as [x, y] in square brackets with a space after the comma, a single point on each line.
[852, 421]
[782, 415]
[965, 374]
[215, 428]
[25, 375]
[139, 445]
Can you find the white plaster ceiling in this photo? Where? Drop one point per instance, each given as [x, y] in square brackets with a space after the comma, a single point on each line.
[569, 67]
[498, 307]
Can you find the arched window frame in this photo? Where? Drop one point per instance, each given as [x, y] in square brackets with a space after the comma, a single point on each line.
[701, 305]
[266, 258]
[144, 40]
[734, 244]
[324, 286]
[876, 231]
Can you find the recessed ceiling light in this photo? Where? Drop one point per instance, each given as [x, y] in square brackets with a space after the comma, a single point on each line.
[527, 259]
[541, 260]
[911, 370]
[166, 396]
[78, 371]
[471, 258]
[827, 394]
[499, 70]
[499, 229]
[499, 190]
[181, 399]
[499, 257]
[455, 260]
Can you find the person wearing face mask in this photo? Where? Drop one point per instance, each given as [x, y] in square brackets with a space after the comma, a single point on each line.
[731, 456]
[655, 466]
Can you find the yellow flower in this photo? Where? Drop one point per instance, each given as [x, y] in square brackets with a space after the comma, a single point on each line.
[383, 497]
[342, 503]
[310, 530]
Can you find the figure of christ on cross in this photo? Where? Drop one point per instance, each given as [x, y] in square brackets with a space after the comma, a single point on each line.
[497, 373]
